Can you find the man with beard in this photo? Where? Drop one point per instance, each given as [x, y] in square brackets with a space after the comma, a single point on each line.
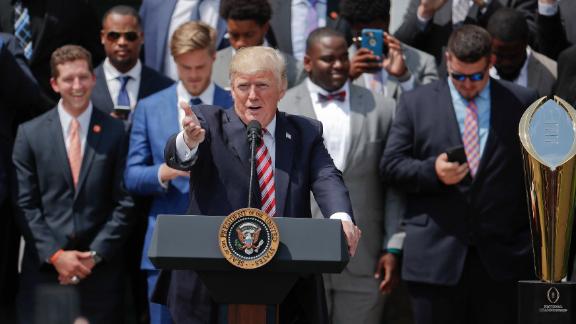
[514, 60]
[356, 124]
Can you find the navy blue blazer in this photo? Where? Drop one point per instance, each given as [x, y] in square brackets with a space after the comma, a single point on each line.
[156, 17]
[219, 185]
[488, 212]
[150, 83]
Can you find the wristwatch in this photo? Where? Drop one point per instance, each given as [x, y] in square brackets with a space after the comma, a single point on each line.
[96, 257]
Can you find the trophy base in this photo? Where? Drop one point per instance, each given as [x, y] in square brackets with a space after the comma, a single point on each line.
[546, 303]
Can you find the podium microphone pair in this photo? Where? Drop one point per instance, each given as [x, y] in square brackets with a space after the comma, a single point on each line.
[254, 135]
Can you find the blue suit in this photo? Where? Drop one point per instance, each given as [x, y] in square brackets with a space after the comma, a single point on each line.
[155, 120]
[156, 17]
[219, 186]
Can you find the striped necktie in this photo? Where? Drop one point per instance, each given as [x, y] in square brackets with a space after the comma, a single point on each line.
[470, 138]
[22, 29]
[266, 179]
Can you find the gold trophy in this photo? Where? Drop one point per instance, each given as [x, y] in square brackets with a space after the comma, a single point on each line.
[548, 135]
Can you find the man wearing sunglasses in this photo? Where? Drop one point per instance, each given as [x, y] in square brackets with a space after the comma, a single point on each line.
[467, 232]
[122, 80]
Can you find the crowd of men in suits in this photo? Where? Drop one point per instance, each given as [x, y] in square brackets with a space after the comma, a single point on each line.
[107, 125]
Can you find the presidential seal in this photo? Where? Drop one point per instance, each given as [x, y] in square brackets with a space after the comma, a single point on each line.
[248, 238]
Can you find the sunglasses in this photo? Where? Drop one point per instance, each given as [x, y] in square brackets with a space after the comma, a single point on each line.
[129, 36]
[472, 77]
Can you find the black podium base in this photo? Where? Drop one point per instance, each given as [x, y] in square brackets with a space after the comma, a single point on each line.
[546, 303]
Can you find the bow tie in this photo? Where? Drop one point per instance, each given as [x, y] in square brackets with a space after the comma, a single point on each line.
[340, 96]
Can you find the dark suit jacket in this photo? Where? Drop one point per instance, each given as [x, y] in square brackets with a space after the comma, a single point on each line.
[557, 32]
[150, 82]
[488, 212]
[566, 85]
[435, 36]
[56, 23]
[96, 216]
[219, 185]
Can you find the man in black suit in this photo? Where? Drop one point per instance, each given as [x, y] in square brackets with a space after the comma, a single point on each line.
[19, 98]
[427, 24]
[467, 234]
[213, 147]
[74, 213]
[122, 80]
[51, 24]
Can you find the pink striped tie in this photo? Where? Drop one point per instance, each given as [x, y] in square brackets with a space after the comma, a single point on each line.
[266, 179]
[471, 139]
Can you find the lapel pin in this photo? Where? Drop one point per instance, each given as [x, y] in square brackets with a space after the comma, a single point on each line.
[96, 128]
[288, 136]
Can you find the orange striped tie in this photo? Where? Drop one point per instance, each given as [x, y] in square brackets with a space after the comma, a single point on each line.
[74, 149]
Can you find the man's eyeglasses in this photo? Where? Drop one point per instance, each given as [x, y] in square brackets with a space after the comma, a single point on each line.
[115, 36]
[472, 77]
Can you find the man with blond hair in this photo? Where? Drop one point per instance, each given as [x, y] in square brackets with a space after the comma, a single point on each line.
[219, 171]
[155, 119]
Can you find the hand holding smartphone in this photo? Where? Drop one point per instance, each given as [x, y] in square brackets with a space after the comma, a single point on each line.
[373, 39]
[456, 154]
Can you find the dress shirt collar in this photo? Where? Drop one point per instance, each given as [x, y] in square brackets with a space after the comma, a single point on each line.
[112, 73]
[83, 119]
[271, 127]
[207, 96]
[315, 89]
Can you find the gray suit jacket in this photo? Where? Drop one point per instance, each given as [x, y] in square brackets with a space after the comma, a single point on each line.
[420, 64]
[221, 68]
[542, 73]
[370, 120]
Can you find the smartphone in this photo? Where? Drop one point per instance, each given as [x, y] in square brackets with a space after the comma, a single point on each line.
[122, 111]
[373, 39]
[456, 154]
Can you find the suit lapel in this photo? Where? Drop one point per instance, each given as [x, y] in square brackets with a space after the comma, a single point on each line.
[101, 88]
[164, 15]
[358, 105]
[92, 140]
[235, 137]
[492, 140]
[302, 104]
[285, 138]
[61, 154]
[445, 104]
[534, 71]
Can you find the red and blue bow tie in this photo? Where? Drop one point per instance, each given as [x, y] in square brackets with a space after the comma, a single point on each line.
[340, 96]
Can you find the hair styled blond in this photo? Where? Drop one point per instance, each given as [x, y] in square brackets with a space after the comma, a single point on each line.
[192, 36]
[254, 59]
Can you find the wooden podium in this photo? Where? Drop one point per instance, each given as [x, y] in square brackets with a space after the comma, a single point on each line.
[307, 246]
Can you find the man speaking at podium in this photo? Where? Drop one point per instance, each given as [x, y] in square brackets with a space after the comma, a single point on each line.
[293, 160]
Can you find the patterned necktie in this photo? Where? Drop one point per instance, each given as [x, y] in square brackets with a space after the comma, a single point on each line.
[311, 17]
[195, 101]
[266, 179]
[471, 138]
[339, 96]
[123, 98]
[22, 28]
[74, 149]
[460, 10]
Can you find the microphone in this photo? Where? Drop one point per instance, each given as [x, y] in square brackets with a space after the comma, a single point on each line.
[254, 135]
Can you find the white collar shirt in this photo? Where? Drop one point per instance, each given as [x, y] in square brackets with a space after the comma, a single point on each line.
[335, 118]
[114, 84]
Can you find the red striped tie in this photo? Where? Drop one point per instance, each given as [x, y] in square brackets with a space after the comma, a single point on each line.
[266, 180]
[470, 138]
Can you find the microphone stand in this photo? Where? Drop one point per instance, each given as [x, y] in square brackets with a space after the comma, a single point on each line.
[254, 137]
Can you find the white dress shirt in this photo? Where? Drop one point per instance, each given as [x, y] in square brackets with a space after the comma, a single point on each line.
[83, 120]
[114, 84]
[182, 14]
[298, 24]
[335, 118]
[522, 78]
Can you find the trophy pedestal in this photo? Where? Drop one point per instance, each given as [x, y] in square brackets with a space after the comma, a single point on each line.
[546, 303]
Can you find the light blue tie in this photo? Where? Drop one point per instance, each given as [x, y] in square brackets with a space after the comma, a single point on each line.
[22, 28]
[123, 98]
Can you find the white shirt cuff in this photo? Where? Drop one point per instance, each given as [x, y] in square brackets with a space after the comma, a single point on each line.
[341, 216]
[164, 184]
[185, 154]
[422, 22]
[546, 9]
[396, 241]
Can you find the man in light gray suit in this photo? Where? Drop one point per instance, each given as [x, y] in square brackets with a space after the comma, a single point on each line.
[355, 125]
[401, 67]
[248, 22]
[513, 59]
